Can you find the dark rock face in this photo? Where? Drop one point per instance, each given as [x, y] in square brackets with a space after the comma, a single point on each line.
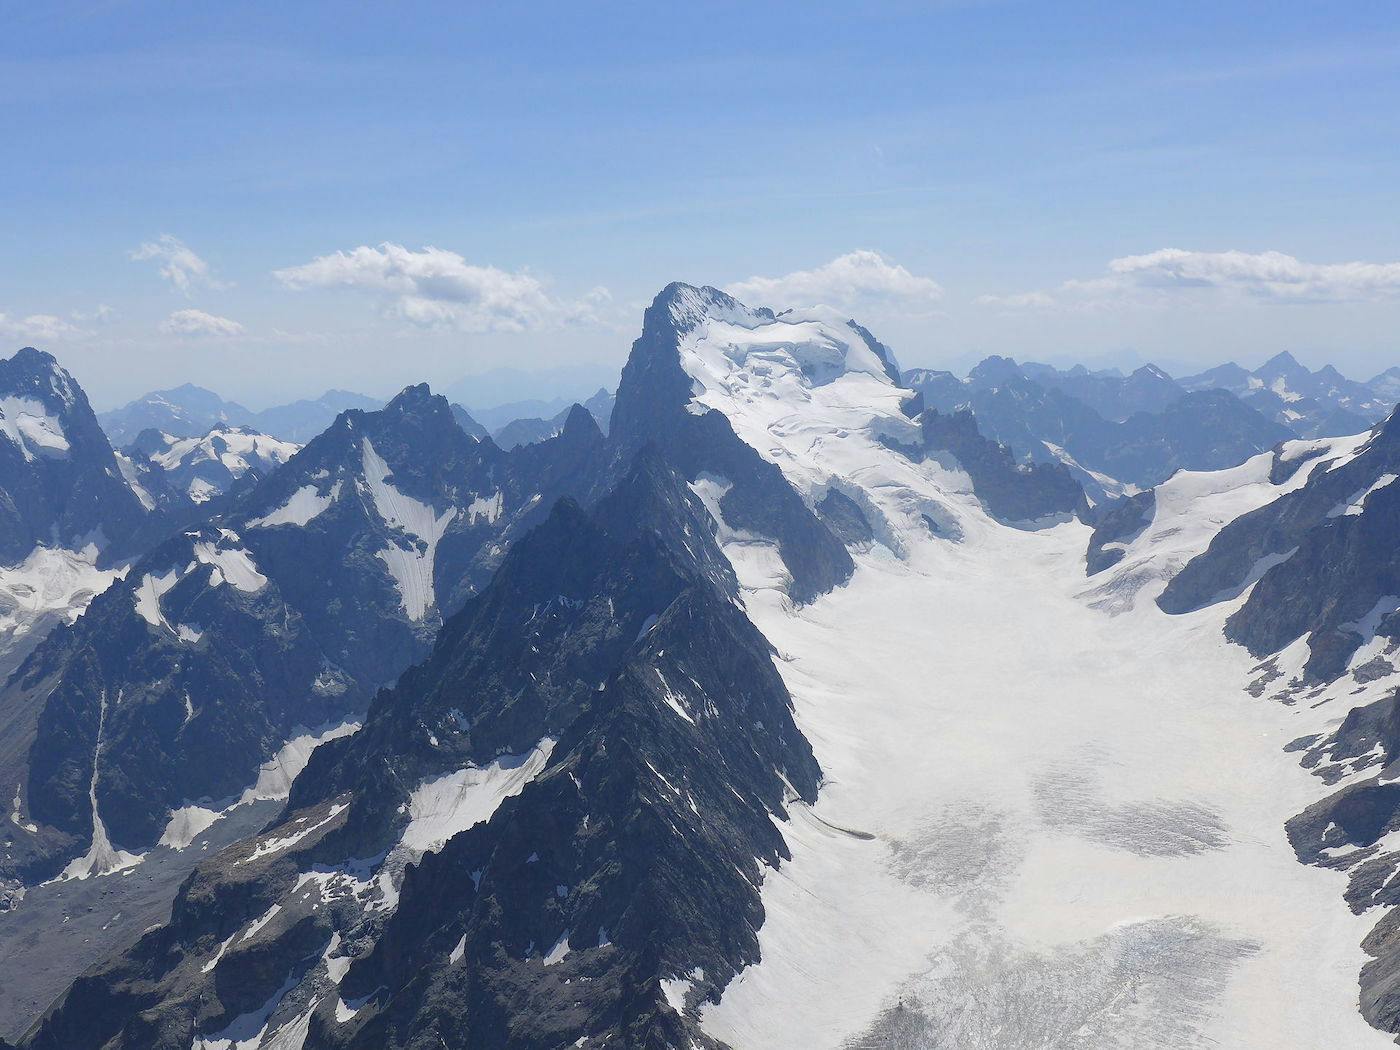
[1325, 556]
[651, 409]
[1210, 430]
[631, 856]
[60, 483]
[1118, 523]
[1010, 491]
[603, 676]
[307, 593]
[844, 517]
[469, 425]
[1349, 825]
[883, 352]
[1152, 428]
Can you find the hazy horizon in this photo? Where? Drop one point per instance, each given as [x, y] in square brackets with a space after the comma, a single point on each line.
[269, 202]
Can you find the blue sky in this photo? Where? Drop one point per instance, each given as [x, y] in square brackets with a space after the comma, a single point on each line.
[990, 161]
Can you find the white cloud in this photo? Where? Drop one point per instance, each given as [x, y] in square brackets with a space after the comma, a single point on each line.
[852, 281]
[433, 287]
[42, 328]
[1017, 300]
[1270, 277]
[199, 323]
[100, 314]
[178, 263]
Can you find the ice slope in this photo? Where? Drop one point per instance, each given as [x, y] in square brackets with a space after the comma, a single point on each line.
[443, 806]
[1042, 824]
[32, 427]
[1192, 506]
[302, 506]
[807, 393]
[234, 447]
[50, 585]
[206, 465]
[410, 559]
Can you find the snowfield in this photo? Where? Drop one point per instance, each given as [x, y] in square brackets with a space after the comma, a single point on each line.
[33, 428]
[51, 583]
[1052, 816]
[1078, 825]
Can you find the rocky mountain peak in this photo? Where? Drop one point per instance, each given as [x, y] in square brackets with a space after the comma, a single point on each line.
[37, 373]
[995, 370]
[1282, 364]
[60, 484]
[580, 425]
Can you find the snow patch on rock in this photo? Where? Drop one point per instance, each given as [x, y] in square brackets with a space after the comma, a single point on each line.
[410, 559]
[443, 806]
[33, 428]
[302, 506]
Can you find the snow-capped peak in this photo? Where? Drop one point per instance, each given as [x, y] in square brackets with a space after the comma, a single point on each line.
[813, 346]
[688, 307]
[808, 392]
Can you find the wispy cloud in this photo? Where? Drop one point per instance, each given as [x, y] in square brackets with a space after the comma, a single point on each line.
[178, 263]
[197, 323]
[1017, 300]
[856, 280]
[43, 328]
[433, 287]
[1269, 277]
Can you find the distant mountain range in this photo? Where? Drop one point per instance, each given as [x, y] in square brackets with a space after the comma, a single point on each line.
[1324, 403]
[524, 430]
[1119, 433]
[192, 411]
[784, 700]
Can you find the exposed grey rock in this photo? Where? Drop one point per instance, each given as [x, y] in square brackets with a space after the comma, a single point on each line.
[1010, 491]
[1325, 557]
[1118, 523]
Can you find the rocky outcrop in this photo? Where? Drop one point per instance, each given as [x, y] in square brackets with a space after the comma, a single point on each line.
[1324, 556]
[1115, 526]
[1010, 491]
[605, 895]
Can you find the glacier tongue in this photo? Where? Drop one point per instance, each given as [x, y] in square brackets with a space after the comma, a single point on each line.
[1042, 824]
[1077, 824]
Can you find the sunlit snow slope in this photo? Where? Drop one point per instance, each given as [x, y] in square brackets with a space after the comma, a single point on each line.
[1051, 814]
